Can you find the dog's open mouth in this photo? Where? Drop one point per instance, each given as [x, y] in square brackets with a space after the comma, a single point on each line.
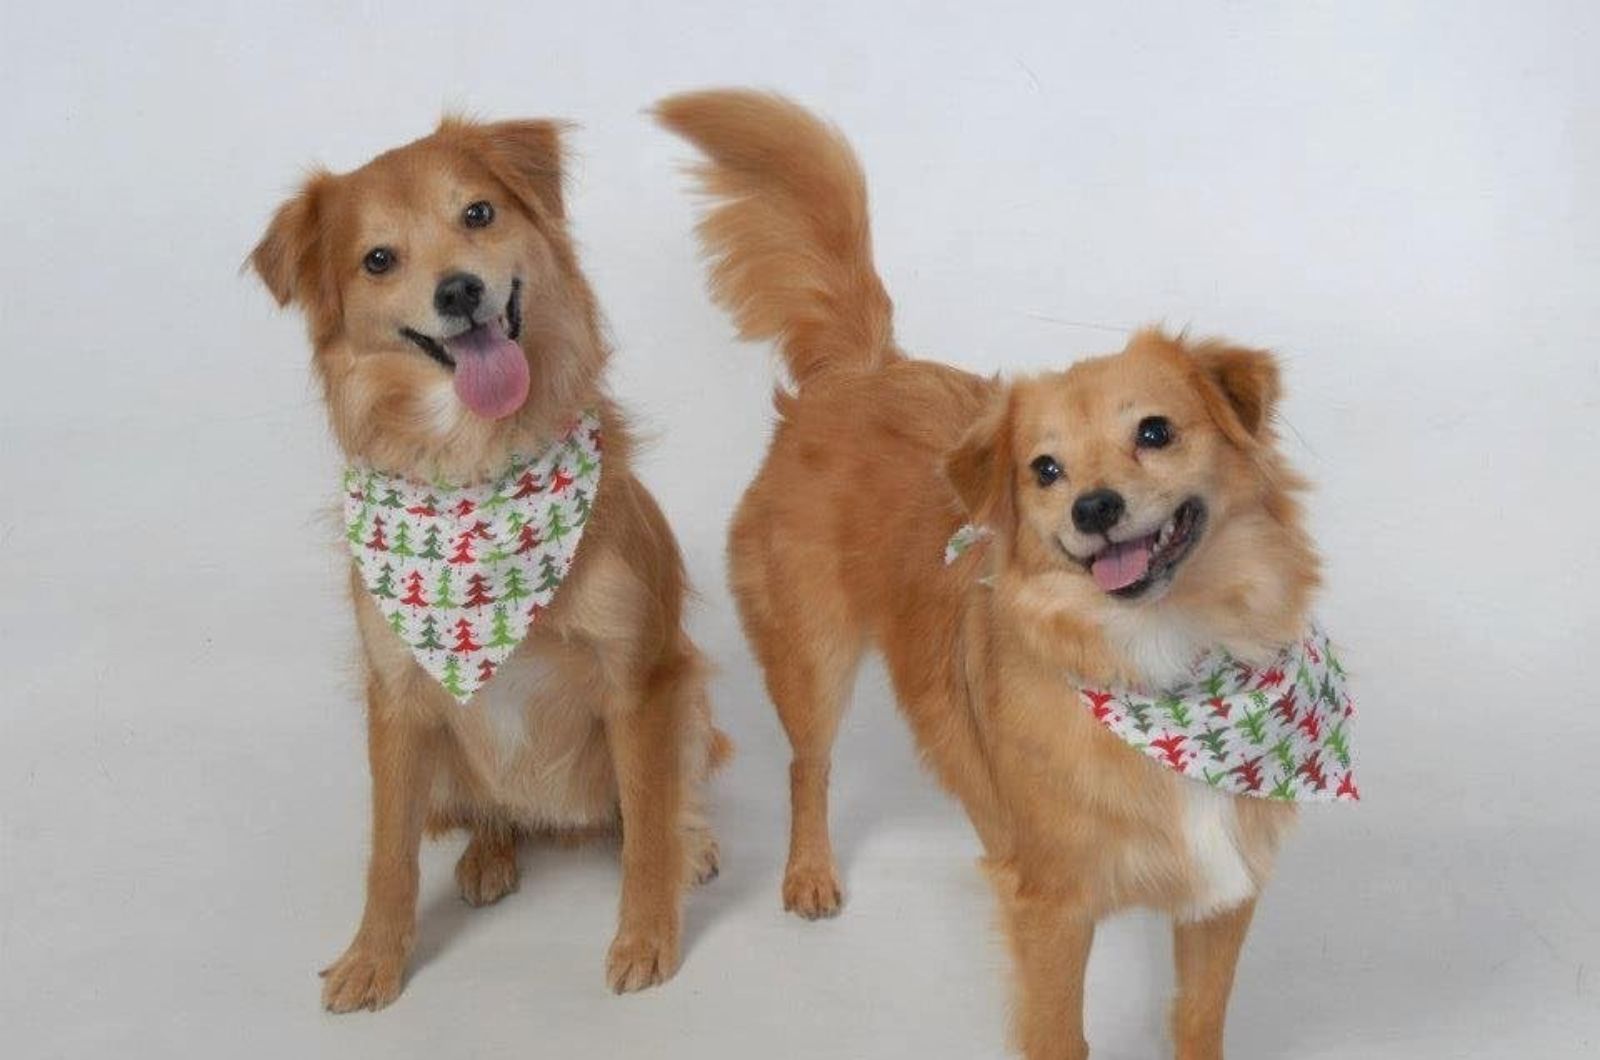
[1127, 569]
[491, 371]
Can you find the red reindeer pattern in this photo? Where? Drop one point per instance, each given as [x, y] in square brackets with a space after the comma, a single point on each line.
[1249, 773]
[527, 539]
[1311, 769]
[1287, 708]
[1100, 703]
[1271, 677]
[1172, 749]
[527, 486]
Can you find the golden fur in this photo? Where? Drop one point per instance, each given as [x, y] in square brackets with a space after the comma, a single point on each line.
[837, 545]
[600, 718]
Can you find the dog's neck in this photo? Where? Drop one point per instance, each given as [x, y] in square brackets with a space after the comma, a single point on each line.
[1154, 644]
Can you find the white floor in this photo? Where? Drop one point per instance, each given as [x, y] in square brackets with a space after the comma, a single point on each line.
[184, 848]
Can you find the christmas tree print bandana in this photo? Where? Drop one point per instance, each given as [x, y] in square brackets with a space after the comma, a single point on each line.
[461, 573]
[1280, 731]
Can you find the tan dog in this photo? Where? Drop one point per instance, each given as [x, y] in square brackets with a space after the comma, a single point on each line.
[1139, 511]
[452, 328]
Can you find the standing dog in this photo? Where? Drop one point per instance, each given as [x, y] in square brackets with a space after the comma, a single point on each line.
[456, 341]
[1131, 513]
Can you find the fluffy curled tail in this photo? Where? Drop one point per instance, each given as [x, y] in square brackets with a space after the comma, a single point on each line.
[787, 234]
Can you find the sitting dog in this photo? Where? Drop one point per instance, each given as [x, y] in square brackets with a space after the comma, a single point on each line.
[1112, 667]
[518, 593]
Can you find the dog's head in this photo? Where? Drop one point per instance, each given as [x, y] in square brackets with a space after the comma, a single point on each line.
[1145, 481]
[442, 293]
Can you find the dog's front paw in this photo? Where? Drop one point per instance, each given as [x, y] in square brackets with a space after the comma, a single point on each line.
[487, 872]
[640, 960]
[812, 891]
[365, 977]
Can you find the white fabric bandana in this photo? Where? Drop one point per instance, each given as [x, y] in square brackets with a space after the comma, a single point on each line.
[1277, 732]
[461, 573]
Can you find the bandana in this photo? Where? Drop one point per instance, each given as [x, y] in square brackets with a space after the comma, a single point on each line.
[461, 573]
[1281, 731]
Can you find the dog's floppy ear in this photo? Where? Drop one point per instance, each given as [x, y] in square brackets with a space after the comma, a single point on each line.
[980, 467]
[526, 155]
[1242, 388]
[288, 258]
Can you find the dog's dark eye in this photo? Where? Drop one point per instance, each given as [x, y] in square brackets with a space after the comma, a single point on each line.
[1154, 433]
[478, 215]
[1046, 469]
[378, 260]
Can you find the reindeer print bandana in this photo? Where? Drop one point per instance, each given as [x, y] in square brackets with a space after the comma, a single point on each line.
[1281, 731]
[461, 573]
[1277, 732]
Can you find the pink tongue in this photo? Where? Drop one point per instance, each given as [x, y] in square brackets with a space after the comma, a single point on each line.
[1121, 565]
[491, 371]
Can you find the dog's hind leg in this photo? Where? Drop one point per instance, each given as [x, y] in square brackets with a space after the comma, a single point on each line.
[808, 654]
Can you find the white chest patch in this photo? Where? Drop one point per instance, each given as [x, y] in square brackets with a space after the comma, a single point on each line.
[442, 409]
[1160, 647]
[1210, 832]
[505, 703]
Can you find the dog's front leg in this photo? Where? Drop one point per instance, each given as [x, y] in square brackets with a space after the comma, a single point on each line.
[1051, 932]
[1207, 952]
[403, 753]
[644, 735]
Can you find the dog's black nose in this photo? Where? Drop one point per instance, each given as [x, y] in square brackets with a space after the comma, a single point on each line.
[458, 295]
[1097, 511]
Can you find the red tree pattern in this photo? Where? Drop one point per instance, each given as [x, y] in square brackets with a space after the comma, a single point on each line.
[413, 594]
[378, 543]
[463, 553]
[464, 641]
[478, 592]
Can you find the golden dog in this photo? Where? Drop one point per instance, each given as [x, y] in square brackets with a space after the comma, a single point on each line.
[1138, 511]
[452, 328]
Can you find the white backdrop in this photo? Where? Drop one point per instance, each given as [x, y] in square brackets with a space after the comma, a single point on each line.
[1400, 197]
